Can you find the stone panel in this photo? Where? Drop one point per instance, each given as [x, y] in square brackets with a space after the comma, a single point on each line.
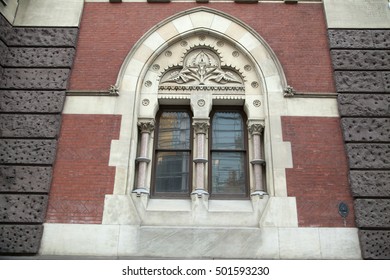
[42, 37]
[31, 101]
[359, 81]
[20, 239]
[365, 105]
[366, 129]
[22, 208]
[27, 151]
[381, 39]
[368, 156]
[39, 57]
[25, 179]
[375, 244]
[24, 78]
[360, 59]
[372, 213]
[29, 126]
[370, 183]
[351, 39]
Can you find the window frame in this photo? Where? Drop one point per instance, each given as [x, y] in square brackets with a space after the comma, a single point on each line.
[163, 195]
[235, 109]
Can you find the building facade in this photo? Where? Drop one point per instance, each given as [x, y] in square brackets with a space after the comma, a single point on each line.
[195, 129]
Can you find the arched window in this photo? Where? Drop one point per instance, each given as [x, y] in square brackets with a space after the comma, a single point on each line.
[228, 154]
[172, 157]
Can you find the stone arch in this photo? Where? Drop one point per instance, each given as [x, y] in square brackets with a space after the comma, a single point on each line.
[138, 87]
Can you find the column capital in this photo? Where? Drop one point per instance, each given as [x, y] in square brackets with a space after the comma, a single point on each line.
[201, 126]
[255, 127]
[146, 126]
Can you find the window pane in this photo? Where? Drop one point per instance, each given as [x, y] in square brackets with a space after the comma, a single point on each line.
[227, 131]
[172, 171]
[228, 173]
[174, 131]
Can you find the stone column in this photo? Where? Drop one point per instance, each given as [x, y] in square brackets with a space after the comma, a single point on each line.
[146, 127]
[256, 130]
[200, 128]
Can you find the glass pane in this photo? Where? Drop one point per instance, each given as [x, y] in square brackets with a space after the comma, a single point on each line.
[228, 173]
[227, 131]
[174, 131]
[172, 172]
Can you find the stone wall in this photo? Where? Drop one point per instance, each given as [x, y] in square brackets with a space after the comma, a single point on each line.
[361, 60]
[34, 67]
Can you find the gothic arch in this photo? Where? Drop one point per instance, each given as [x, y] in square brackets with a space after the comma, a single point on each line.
[238, 51]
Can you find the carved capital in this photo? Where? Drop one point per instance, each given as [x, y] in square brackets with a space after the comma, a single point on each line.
[201, 126]
[255, 128]
[146, 126]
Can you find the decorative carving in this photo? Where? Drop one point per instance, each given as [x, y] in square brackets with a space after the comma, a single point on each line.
[183, 43]
[255, 128]
[113, 90]
[220, 44]
[201, 66]
[235, 54]
[156, 67]
[255, 84]
[257, 103]
[145, 102]
[201, 126]
[168, 53]
[201, 102]
[146, 126]
[248, 67]
[289, 91]
[148, 84]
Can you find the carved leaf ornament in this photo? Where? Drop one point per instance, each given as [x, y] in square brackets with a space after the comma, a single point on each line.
[201, 67]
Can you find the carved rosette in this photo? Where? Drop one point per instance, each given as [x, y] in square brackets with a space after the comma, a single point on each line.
[146, 126]
[201, 127]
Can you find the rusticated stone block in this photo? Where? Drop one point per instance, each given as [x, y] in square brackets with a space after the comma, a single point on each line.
[352, 39]
[366, 129]
[381, 38]
[3, 53]
[31, 101]
[20, 239]
[27, 151]
[375, 244]
[25, 179]
[370, 183]
[39, 57]
[360, 59]
[364, 105]
[34, 78]
[42, 37]
[372, 213]
[22, 208]
[359, 81]
[386, 81]
[29, 126]
[368, 156]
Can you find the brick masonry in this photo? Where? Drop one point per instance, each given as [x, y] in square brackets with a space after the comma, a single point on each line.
[35, 65]
[82, 176]
[361, 63]
[319, 178]
[296, 33]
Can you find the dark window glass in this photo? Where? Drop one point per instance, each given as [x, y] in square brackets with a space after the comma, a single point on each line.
[228, 154]
[173, 153]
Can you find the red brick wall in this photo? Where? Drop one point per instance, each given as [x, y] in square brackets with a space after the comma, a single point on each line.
[81, 174]
[319, 177]
[296, 33]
